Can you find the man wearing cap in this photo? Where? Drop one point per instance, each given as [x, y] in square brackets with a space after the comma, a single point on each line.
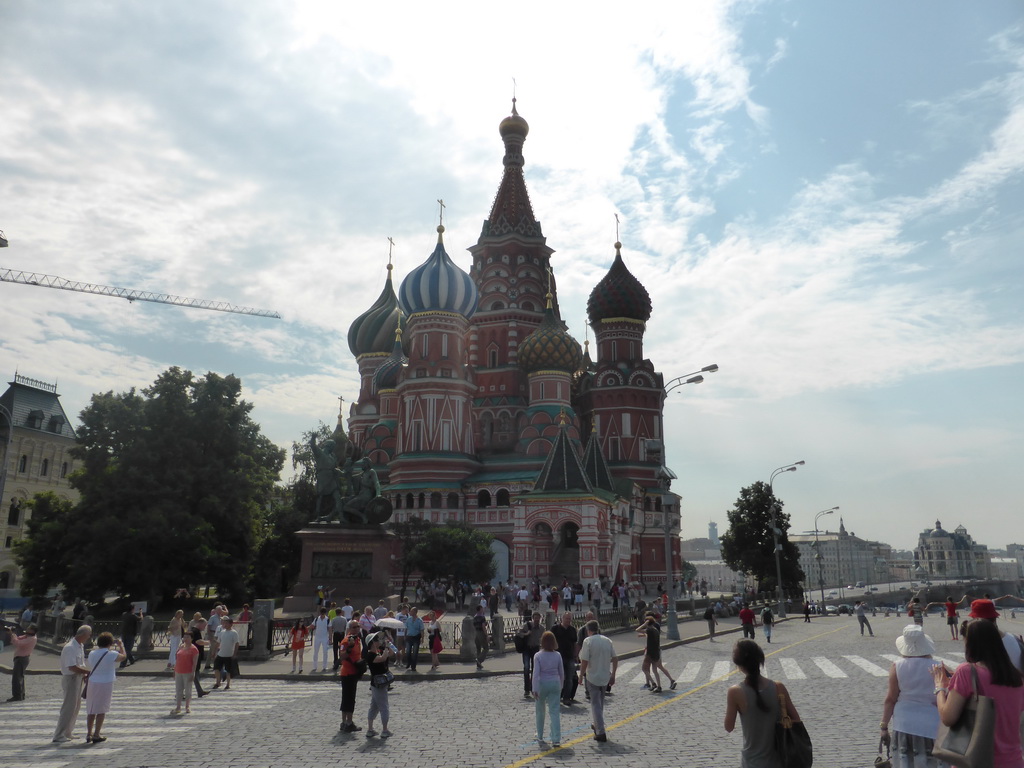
[227, 650]
[986, 609]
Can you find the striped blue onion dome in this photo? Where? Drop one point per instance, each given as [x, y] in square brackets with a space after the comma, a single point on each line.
[437, 285]
[374, 330]
[387, 373]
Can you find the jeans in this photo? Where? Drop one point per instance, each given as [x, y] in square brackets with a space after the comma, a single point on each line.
[129, 658]
[412, 650]
[569, 668]
[18, 678]
[528, 668]
[481, 647]
[548, 697]
[596, 705]
[748, 631]
[863, 621]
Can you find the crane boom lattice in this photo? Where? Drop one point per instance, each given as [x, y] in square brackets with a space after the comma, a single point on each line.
[52, 281]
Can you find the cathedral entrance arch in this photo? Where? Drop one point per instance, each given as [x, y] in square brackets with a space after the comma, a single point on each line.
[500, 558]
[565, 560]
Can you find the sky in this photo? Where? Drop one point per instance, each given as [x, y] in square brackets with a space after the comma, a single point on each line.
[824, 199]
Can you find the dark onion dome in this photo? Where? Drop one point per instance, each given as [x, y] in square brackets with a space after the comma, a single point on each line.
[374, 330]
[619, 294]
[550, 347]
[387, 373]
[437, 285]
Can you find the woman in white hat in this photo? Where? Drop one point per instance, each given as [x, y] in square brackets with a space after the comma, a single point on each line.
[910, 702]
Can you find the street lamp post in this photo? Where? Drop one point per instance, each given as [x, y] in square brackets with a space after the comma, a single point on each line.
[776, 532]
[671, 620]
[817, 548]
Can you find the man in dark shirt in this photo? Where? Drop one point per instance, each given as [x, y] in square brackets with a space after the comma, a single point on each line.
[129, 630]
[480, 630]
[565, 634]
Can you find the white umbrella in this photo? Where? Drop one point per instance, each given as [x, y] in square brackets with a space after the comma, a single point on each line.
[389, 623]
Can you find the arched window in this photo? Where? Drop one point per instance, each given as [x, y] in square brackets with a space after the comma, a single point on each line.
[502, 499]
[409, 501]
[44, 469]
[5, 580]
[14, 516]
[435, 500]
[64, 470]
[497, 305]
[483, 499]
[23, 463]
[657, 503]
[422, 501]
[398, 501]
[647, 503]
[453, 501]
[527, 305]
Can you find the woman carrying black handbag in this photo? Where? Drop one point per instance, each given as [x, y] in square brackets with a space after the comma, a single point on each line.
[761, 704]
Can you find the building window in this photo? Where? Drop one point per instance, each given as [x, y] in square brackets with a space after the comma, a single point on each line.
[483, 499]
[44, 470]
[422, 501]
[64, 470]
[453, 501]
[398, 501]
[492, 358]
[502, 500]
[14, 516]
[627, 426]
[435, 500]
[23, 463]
[444, 345]
[425, 347]
[8, 543]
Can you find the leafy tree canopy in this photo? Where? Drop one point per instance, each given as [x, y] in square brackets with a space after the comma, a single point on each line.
[174, 483]
[748, 546]
[410, 533]
[454, 550]
[44, 550]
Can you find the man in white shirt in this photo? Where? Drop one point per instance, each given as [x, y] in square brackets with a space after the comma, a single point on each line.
[227, 650]
[72, 674]
[212, 629]
[321, 639]
[598, 664]
[347, 609]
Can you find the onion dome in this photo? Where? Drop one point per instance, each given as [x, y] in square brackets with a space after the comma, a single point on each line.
[513, 125]
[374, 330]
[387, 373]
[437, 285]
[550, 347]
[619, 294]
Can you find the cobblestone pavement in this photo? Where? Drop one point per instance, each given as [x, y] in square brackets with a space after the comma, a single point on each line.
[837, 679]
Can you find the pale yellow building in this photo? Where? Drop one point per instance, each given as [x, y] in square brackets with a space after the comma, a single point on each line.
[36, 437]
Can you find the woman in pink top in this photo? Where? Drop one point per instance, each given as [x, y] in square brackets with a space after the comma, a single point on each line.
[185, 660]
[23, 647]
[548, 677]
[997, 678]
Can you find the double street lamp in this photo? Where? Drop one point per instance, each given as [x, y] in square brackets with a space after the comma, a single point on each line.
[776, 533]
[817, 549]
[671, 620]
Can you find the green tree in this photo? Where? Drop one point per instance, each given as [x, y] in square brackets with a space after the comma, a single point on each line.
[174, 483]
[43, 552]
[748, 545]
[410, 532]
[455, 550]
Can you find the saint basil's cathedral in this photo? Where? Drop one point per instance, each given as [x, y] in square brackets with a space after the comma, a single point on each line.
[476, 404]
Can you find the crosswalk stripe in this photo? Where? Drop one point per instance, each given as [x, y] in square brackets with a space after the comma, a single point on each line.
[720, 669]
[828, 667]
[690, 672]
[791, 669]
[867, 666]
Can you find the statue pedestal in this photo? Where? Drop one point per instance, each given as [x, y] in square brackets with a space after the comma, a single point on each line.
[355, 562]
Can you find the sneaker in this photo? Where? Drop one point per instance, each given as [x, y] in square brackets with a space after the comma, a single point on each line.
[353, 727]
[386, 734]
[293, 670]
[371, 733]
[300, 670]
[672, 686]
[646, 687]
[556, 745]
[600, 737]
[527, 695]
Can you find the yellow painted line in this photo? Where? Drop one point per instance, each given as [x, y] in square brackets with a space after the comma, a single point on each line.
[665, 703]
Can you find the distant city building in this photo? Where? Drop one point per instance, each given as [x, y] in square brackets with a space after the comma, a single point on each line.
[719, 576]
[713, 535]
[844, 559]
[1004, 569]
[943, 554]
[35, 437]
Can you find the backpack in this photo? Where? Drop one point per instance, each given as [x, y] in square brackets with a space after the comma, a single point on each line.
[767, 617]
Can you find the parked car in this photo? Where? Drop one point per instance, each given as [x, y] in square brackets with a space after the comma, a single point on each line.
[846, 608]
[831, 610]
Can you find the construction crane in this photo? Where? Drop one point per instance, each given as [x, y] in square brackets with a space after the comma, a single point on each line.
[52, 281]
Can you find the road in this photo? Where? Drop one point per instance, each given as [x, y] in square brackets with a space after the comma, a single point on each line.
[837, 679]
